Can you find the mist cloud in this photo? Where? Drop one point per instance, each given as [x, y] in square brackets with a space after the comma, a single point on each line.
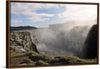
[62, 39]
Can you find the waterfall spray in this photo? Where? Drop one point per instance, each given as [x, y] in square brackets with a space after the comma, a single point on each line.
[61, 39]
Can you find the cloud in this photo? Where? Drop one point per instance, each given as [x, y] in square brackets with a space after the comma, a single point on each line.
[46, 15]
[29, 10]
[79, 13]
[16, 21]
[70, 12]
[18, 8]
[38, 19]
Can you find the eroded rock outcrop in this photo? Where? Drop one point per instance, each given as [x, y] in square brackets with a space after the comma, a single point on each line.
[22, 42]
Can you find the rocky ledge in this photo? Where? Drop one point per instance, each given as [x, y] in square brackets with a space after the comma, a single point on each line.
[22, 42]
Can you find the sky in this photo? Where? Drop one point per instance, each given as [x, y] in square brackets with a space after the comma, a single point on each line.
[44, 14]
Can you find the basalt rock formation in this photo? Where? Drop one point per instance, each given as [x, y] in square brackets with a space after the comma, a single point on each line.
[91, 43]
[22, 42]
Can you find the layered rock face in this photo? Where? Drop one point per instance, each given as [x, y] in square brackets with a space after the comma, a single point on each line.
[22, 42]
[91, 43]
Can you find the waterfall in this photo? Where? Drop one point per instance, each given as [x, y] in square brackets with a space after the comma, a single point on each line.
[61, 39]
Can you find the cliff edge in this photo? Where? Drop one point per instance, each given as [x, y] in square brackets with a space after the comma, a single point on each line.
[22, 42]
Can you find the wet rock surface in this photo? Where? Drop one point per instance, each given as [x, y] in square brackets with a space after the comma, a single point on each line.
[91, 43]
